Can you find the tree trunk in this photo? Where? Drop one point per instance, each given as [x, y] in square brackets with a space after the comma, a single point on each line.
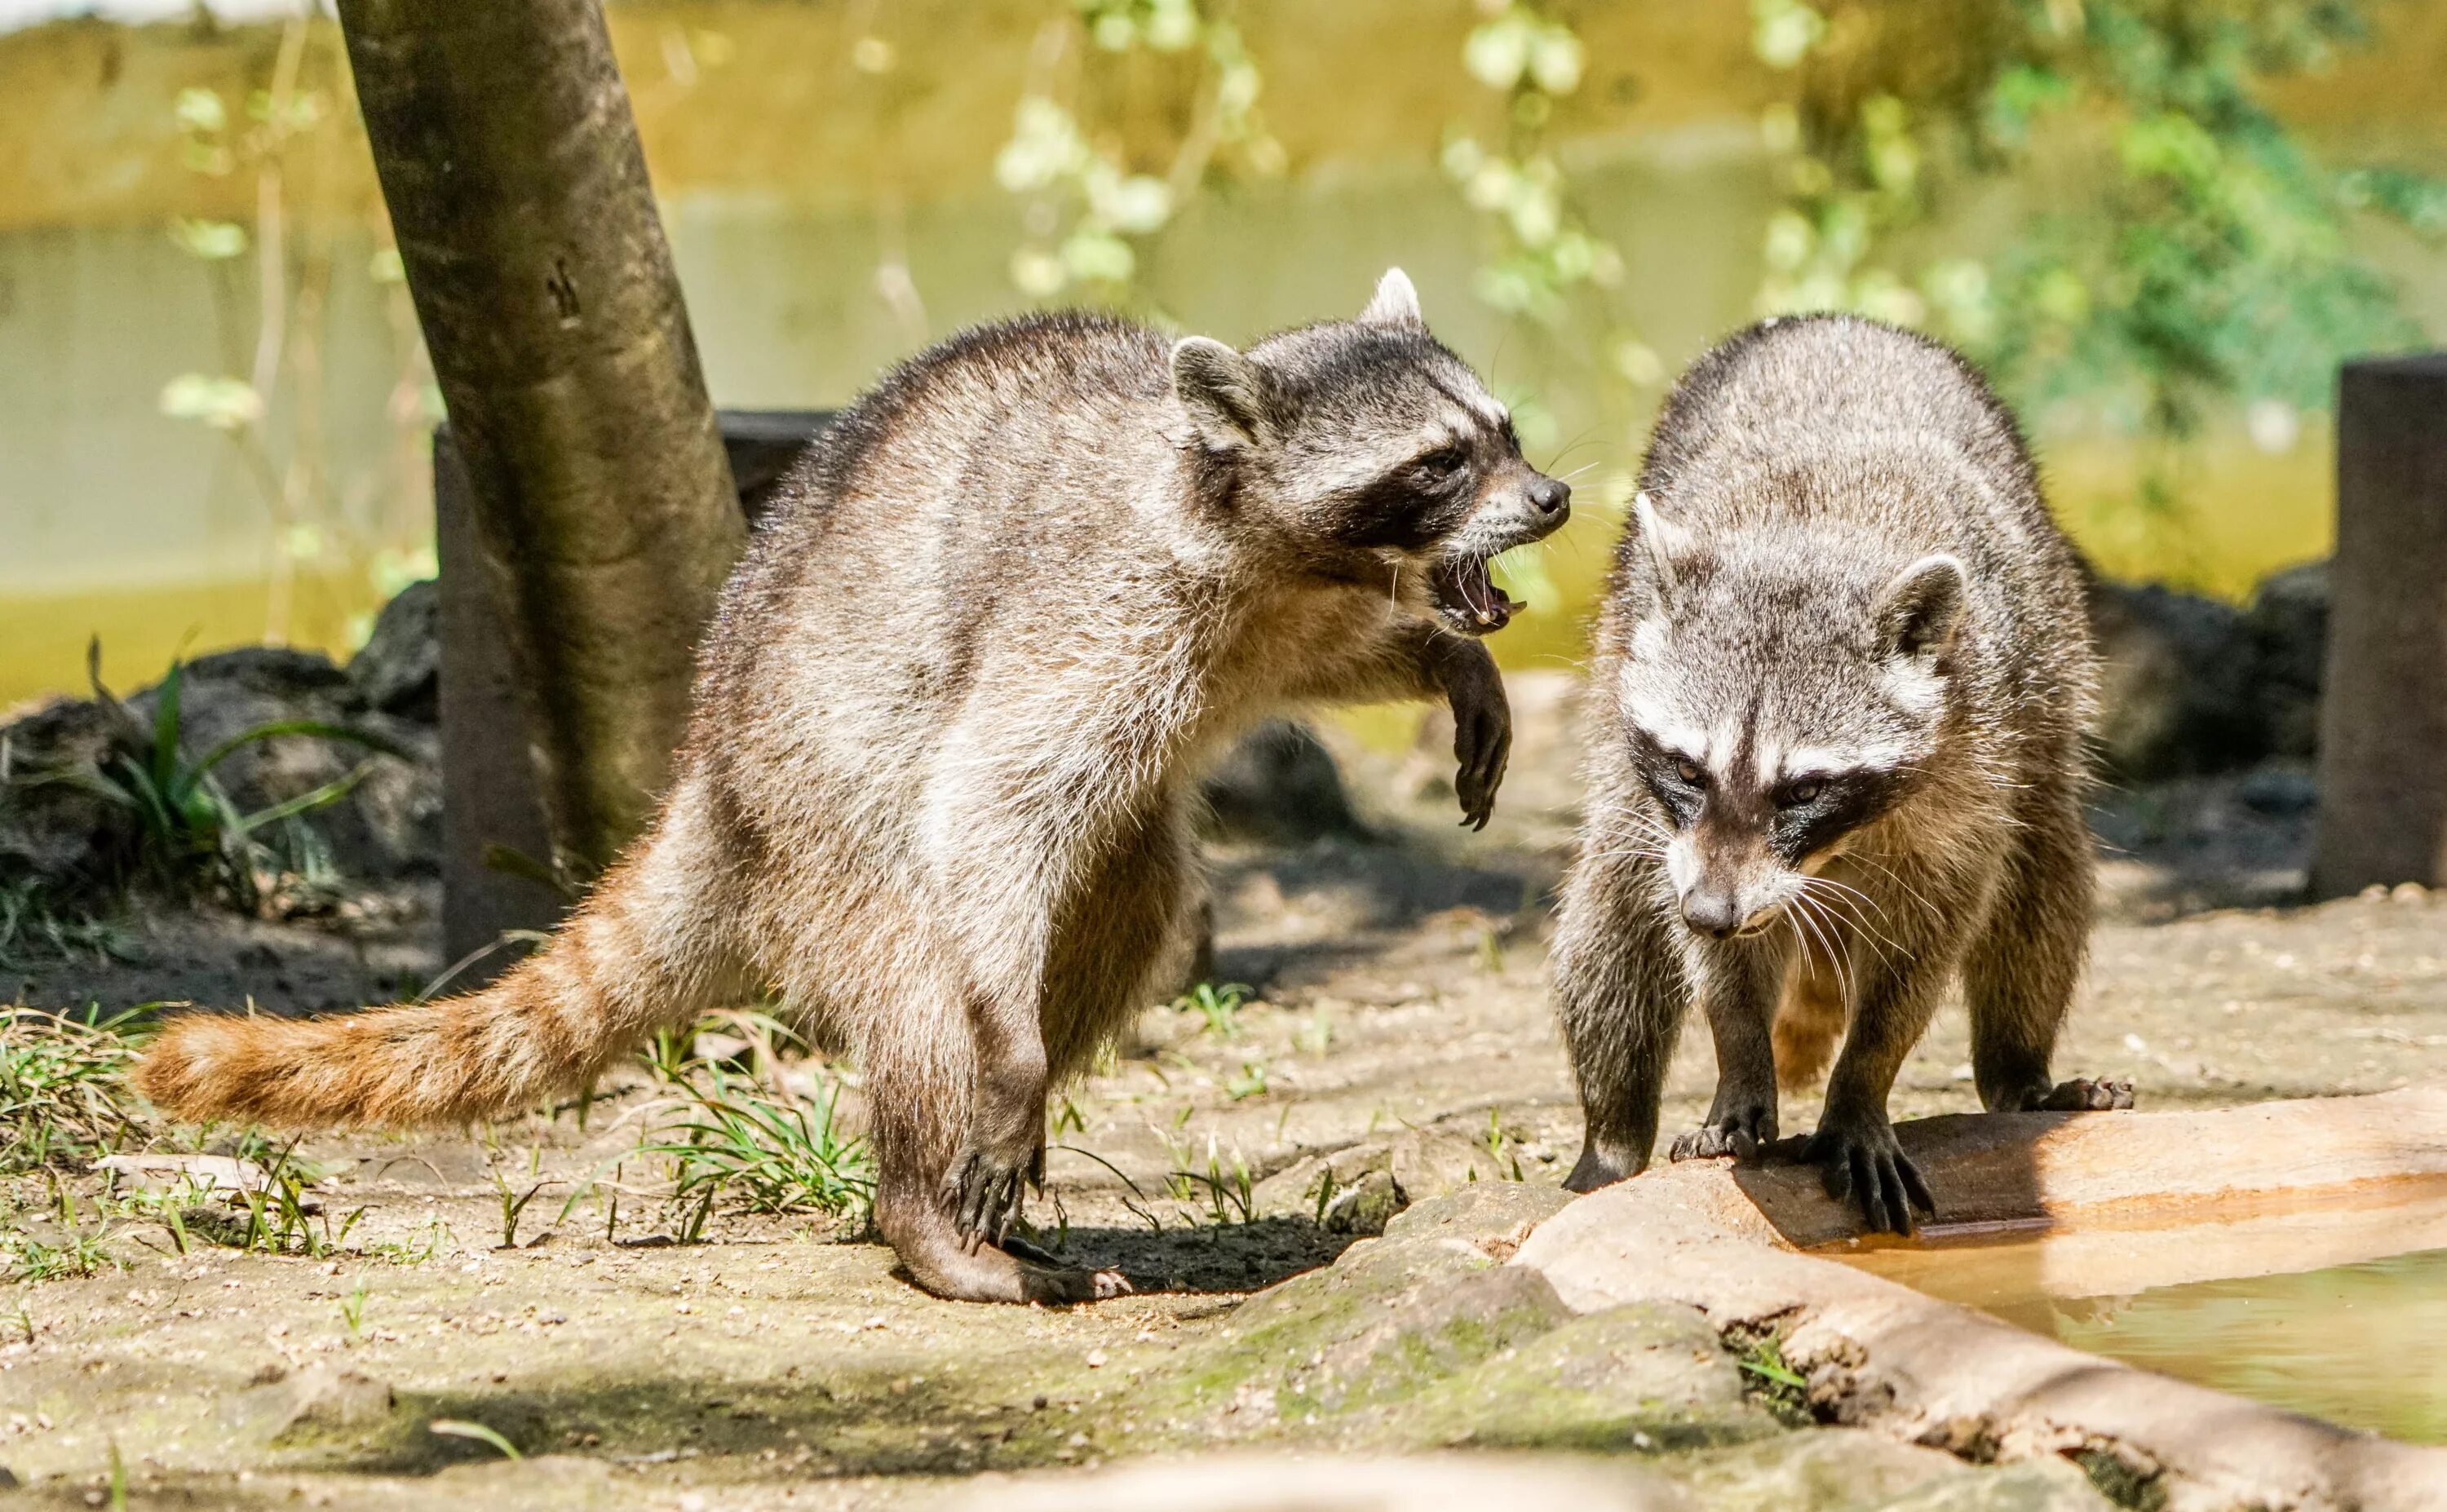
[518, 193]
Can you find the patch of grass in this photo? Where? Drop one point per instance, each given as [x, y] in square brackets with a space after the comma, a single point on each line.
[1250, 1082]
[1500, 1147]
[352, 1307]
[32, 928]
[745, 1136]
[1771, 1382]
[31, 1258]
[63, 1097]
[190, 834]
[1227, 1192]
[1219, 1004]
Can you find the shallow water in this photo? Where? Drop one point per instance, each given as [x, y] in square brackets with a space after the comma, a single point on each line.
[2356, 1343]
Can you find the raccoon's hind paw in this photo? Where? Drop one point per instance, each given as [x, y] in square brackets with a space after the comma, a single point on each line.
[984, 1194]
[2082, 1094]
[1860, 1159]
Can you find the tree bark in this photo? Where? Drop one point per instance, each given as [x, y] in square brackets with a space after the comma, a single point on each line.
[518, 198]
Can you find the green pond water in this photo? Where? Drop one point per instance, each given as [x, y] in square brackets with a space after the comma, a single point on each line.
[2359, 1345]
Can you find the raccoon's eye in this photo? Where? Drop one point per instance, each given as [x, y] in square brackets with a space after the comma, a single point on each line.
[1443, 461]
[1802, 792]
[1691, 772]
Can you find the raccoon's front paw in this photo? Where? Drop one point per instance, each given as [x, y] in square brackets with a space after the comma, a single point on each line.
[984, 1191]
[1740, 1134]
[1859, 1158]
[1481, 722]
[2082, 1094]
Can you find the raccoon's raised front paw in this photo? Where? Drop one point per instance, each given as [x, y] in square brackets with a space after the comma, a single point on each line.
[984, 1192]
[1859, 1158]
[2082, 1094]
[1741, 1135]
[1482, 728]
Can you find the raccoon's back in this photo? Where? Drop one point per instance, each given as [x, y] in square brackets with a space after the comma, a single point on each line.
[976, 484]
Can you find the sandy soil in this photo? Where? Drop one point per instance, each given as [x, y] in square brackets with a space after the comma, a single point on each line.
[1401, 1028]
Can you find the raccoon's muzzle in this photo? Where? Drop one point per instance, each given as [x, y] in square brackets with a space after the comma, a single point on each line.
[1467, 594]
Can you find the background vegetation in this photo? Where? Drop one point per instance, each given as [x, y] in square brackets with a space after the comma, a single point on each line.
[2159, 222]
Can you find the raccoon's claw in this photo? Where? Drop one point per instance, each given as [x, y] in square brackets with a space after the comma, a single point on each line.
[1741, 1135]
[984, 1195]
[1861, 1159]
[1482, 743]
[2082, 1094]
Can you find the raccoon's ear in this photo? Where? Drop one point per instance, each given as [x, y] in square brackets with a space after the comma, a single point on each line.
[1396, 303]
[1667, 543]
[1224, 392]
[1920, 611]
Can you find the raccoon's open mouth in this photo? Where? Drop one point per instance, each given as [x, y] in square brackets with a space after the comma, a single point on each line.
[1470, 598]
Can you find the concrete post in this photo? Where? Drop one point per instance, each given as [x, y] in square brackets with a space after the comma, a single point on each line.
[2383, 705]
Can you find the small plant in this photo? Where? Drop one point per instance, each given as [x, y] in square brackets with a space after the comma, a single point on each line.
[279, 1217]
[1219, 1004]
[62, 1102]
[1250, 1082]
[1230, 1195]
[30, 1260]
[189, 832]
[514, 1202]
[1765, 1377]
[774, 1150]
[453, 1428]
[1499, 1148]
[31, 927]
[414, 1251]
[1316, 1036]
[352, 1307]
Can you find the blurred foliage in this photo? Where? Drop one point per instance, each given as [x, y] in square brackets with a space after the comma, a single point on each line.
[2174, 251]
[284, 131]
[1089, 203]
[2170, 250]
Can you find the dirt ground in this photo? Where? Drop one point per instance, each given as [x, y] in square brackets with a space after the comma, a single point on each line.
[1400, 1037]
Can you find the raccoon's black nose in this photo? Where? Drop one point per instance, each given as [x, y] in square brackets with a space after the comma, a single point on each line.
[1550, 496]
[1711, 914]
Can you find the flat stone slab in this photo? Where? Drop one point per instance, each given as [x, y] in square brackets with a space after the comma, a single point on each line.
[1725, 1240]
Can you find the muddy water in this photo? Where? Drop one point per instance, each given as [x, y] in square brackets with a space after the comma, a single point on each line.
[2329, 1309]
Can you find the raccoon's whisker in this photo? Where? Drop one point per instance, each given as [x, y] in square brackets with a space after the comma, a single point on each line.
[1806, 928]
[1885, 940]
[1811, 908]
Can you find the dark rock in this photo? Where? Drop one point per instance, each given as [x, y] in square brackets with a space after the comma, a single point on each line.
[55, 830]
[2176, 683]
[2288, 625]
[399, 672]
[388, 826]
[1280, 785]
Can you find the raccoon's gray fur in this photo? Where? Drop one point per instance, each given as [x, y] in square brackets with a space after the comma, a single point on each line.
[1836, 756]
[947, 727]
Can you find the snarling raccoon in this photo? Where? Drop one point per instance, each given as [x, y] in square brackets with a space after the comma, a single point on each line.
[1837, 758]
[947, 725]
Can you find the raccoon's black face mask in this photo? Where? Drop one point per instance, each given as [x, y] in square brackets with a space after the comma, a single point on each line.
[1378, 455]
[1775, 708]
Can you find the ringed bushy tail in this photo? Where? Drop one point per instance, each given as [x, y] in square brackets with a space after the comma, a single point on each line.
[640, 953]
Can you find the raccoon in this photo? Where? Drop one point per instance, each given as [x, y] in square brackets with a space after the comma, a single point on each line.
[1837, 758]
[947, 724]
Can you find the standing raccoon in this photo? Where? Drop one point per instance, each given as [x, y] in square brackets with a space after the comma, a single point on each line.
[937, 786]
[1837, 758]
